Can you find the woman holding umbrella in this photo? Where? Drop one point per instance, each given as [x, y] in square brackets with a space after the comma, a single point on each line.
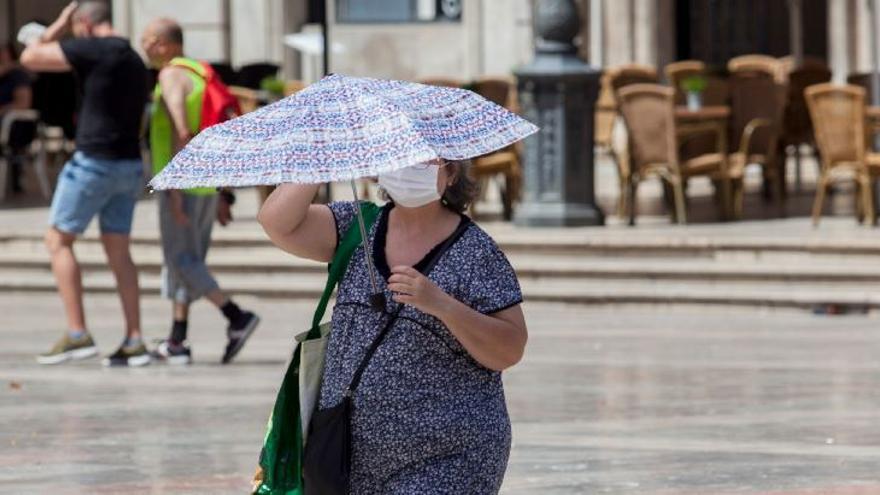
[414, 357]
[430, 408]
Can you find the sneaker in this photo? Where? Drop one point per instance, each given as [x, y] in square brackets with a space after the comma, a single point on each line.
[68, 348]
[238, 335]
[129, 356]
[172, 354]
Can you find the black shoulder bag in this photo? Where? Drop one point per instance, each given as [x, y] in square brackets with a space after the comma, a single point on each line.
[327, 457]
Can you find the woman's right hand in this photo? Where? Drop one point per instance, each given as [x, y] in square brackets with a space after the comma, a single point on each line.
[296, 225]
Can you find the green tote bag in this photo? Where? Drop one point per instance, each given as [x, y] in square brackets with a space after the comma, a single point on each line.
[280, 469]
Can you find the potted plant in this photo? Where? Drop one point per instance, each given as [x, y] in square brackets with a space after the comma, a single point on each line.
[693, 86]
[273, 87]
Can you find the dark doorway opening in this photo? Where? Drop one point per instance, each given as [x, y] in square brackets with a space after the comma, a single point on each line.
[715, 31]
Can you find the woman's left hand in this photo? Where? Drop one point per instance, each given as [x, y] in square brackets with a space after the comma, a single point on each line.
[411, 287]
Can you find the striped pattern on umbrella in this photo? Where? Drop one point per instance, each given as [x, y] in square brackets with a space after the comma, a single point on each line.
[344, 128]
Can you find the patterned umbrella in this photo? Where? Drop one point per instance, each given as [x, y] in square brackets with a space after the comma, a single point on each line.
[343, 128]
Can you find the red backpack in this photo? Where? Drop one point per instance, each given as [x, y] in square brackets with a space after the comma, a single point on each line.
[219, 105]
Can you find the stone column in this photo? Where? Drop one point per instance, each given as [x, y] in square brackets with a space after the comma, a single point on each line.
[841, 48]
[597, 33]
[558, 92]
[644, 28]
[795, 28]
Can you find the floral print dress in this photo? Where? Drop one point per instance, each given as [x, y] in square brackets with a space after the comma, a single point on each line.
[427, 417]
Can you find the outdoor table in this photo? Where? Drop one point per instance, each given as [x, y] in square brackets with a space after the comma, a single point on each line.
[689, 122]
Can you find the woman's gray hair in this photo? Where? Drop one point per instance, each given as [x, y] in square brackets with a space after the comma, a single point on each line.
[462, 190]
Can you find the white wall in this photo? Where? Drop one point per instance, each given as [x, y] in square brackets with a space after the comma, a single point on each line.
[255, 28]
[492, 38]
[204, 28]
[506, 38]
[257, 31]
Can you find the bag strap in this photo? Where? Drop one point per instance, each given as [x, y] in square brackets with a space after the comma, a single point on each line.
[193, 66]
[337, 267]
[356, 378]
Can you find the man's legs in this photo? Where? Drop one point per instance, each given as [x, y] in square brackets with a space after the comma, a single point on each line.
[67, 276]
[116, 217]
[186, 276]
[181, 311]
[78, 196]
[241, 323]
[76, 343]
[116, 246]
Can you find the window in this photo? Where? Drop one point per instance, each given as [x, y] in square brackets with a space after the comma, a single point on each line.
[355, 11]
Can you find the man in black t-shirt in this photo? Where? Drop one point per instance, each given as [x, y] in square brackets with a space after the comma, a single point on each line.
[105, 175]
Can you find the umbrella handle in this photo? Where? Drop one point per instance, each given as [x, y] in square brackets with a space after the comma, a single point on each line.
[377, 299]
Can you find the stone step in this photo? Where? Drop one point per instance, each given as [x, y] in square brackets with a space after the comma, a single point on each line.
[726, 270]
[598, 291]
[620, 243]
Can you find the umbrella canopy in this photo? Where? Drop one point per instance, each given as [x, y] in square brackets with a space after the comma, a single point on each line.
[343, 128]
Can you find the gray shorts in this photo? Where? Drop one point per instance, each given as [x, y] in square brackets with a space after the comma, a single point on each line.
[185, 276]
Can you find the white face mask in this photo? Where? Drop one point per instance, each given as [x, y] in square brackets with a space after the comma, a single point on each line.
[412, 186]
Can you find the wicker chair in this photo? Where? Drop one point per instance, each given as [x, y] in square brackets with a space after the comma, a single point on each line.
[797, 128]
[495, 89]
[648, 111]
[617, 78]
[603, 132]
[606, 113]
[756, 109]
[756, 63]
[293, 86]
[788, 64]
[624, 75]
[838, 114]
[715, 93]
[442, 81]
[862, 80]
[504, 162]
[248, 99]
[677, 72]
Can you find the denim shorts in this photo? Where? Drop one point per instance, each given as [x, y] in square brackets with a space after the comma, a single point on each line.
[90, 186]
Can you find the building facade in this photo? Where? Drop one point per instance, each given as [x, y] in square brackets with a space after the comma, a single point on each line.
[465, 39]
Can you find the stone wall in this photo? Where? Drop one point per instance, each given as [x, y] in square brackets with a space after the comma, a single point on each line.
[492, 38]
[251, 31]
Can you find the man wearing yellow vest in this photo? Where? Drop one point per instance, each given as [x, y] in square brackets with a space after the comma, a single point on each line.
[186, 217]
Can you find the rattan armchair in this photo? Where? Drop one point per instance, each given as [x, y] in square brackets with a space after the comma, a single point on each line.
[797, 128]
[648, 111]
[442, 81]
[756, 109]
[757, 63]
[606, 114]
[614, 79]
[248, 99]
[838, 114]
[506, 161]
[676, 72]
[624, 75]
[862, 80]
[293, 86]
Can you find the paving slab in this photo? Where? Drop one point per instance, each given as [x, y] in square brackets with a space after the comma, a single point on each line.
[617, 399]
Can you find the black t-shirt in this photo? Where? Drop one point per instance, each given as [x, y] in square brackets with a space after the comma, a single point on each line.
[9, 82]
[113, 82]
